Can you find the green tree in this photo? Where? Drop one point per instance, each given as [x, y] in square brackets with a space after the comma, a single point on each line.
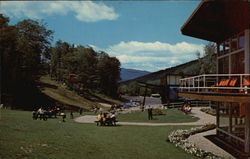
[208, 62]
[59, 60]
[109, 72]
[33, 43]
[8, 55]
[22, 48]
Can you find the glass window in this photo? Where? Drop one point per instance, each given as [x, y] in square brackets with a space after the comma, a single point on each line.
[232, 119]
[234, 44]
[221, 49]
[224, 65]
[224, 115]
[241, 41]
[237, 63]
[226, 47]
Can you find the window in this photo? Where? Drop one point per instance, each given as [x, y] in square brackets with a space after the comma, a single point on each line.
[241, 41]
[234, 44]
[237, 63]
[226, 47]
[221, 49]
[232, 123]
[224, 65]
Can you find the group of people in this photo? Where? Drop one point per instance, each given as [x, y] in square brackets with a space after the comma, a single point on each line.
[107, 118]
[44, 114]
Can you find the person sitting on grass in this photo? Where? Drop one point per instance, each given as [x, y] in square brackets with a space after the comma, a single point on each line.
[113, 118]
[34, 114]
[41, 113]
[63, 115]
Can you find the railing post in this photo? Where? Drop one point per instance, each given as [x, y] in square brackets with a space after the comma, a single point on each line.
[204, 81]
[188, 85]
[240, 82]
[193, 82]
[198, 84]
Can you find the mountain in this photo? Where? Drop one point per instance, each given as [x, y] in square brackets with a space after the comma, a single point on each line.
[189, 69]
[128, 74]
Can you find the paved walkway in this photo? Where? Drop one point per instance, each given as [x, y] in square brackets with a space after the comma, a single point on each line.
[203, 119]
[203, 143]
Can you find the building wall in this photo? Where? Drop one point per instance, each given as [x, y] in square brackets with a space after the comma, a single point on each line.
[247, 51]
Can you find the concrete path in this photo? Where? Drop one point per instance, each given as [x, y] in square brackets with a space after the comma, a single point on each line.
[203, 143]
[203, 119]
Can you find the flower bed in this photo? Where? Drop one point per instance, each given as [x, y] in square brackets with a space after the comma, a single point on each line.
[158, 112]
[208, 111]
[179, 138]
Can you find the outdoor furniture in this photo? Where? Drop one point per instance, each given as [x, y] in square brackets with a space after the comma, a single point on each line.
[106, 122]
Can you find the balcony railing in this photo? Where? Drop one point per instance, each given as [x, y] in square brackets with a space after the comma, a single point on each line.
[227, 83]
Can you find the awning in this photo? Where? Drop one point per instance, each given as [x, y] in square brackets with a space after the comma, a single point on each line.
[217, 20]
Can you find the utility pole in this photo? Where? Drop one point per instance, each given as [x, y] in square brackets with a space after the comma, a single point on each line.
[1, 76]
[144, 99]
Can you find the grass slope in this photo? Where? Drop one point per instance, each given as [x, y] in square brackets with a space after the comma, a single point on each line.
[172, 116]
[60, 93]
[21, 137]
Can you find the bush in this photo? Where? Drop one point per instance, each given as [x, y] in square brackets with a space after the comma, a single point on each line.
[179, 138]
[208, 111]
[158, 112]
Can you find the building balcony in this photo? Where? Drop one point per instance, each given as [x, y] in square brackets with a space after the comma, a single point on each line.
[217, 87]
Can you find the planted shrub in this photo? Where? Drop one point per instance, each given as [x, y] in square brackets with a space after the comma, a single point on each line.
[209, 111]
[158, 112]
[179, 138]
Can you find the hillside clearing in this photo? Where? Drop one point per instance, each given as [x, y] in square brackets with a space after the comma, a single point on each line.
[61, 94]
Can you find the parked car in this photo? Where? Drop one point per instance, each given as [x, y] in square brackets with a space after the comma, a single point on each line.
[128, 104]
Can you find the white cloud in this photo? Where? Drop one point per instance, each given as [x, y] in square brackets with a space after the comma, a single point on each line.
[153, 56]
[86, 11]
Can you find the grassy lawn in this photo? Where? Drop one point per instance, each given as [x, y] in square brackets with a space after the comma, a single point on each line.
[22, 137]
[172, 116]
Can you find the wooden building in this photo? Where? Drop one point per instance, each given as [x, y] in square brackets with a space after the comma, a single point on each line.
[225, 22]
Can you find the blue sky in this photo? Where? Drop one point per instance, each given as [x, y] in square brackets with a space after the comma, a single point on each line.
[143, 35]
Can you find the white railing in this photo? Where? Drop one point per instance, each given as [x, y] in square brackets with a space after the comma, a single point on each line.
[211, 82]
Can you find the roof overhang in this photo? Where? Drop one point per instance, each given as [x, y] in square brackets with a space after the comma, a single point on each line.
[217, 20]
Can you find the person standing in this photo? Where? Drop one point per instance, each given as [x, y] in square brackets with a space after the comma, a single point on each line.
[71, 114]
[80, 111]
[63, 115]
[150, 112]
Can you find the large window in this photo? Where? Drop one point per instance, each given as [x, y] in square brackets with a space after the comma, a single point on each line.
[237, 63]
[224, 65]
[233, 49]
[241, 41]
[232, 44]
[231, 126]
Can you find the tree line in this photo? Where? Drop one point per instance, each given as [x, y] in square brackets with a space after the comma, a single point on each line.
[27, 53]
[91, 70]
